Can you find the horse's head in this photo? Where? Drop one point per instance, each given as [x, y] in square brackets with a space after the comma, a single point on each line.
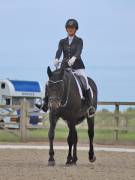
[55, 88]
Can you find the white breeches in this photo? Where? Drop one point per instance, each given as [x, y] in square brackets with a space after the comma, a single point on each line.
[81, 72]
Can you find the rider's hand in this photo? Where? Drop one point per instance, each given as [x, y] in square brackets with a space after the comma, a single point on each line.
[71, 61]
[56, 62]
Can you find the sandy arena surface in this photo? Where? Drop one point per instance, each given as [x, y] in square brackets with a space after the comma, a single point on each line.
[32, 165]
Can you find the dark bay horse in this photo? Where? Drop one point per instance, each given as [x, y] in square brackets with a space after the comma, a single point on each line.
[65, 103]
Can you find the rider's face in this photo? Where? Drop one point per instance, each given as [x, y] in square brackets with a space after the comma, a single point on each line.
[71, 30]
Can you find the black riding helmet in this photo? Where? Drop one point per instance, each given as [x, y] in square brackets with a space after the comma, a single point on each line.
[72, 22]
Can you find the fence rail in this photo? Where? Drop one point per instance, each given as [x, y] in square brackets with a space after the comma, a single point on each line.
[117, 105]
[25, 113]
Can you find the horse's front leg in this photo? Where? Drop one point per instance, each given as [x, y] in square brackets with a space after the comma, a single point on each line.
[72, 142]
[90, 122]
[51, 134]
[69, 141]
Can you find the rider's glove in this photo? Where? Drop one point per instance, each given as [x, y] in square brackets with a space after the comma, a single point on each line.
[56, 62]
[71, 61]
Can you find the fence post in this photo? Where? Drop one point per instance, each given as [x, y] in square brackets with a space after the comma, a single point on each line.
[126, 124]
[23, 121]
[117, 121]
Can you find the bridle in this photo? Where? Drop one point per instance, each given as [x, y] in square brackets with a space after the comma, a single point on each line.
[55, 82]
[62, 105]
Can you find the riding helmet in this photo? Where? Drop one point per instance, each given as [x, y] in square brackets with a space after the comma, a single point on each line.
[72, 22]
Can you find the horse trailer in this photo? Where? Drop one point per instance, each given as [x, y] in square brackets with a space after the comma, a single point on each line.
[12, 92]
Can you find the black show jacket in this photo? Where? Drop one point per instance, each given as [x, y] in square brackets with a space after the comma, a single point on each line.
[70, 50]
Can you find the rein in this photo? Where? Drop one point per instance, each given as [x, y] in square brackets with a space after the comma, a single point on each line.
[64, 105]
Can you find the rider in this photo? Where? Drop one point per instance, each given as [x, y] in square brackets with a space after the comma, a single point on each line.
[71, 47]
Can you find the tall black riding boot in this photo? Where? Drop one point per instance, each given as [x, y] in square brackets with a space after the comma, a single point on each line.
[44, 106]
[89, 102]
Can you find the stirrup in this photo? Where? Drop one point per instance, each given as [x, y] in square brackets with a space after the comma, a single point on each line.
[88, 112]
[45, 108]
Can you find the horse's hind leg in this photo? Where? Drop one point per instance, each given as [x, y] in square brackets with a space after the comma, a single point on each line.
[90, 122]
[75, 148]
[69, 141]
[72, 143]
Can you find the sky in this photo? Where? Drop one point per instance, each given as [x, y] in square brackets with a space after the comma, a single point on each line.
[30, 31]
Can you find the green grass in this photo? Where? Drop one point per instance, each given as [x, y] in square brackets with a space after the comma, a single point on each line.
[8, 137]
[130, 136]
[62, 133]
[104, 122]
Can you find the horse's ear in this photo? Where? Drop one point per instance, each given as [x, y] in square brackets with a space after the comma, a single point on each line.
[61, 73]
[49, 71]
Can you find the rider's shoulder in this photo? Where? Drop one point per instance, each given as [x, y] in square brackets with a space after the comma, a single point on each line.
[79, 38]
[63, 40]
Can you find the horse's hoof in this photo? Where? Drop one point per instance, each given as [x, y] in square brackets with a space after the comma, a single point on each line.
[71, 163]
[93, 159]
[74, 164]
[68, 163]
[51, 163]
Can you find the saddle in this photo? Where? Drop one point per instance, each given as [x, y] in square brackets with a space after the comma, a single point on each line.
[82, 83]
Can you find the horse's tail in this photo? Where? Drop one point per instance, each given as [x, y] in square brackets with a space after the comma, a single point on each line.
[95, 91]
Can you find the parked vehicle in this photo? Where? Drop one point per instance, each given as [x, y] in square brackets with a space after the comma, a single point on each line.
[12, 92]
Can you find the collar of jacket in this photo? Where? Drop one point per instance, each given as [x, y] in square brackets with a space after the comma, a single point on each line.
[67, 40]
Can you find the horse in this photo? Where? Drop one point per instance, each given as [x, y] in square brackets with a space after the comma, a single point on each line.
[64, 102]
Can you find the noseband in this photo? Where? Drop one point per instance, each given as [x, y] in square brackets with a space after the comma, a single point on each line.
[55, 82]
